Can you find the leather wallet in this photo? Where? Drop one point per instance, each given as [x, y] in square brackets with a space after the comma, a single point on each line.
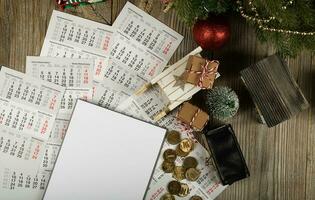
[227, 155]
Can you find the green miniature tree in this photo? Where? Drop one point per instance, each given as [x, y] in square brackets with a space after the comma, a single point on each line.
[222, 102]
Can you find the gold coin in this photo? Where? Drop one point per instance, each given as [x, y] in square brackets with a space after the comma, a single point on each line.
[195, 197]
[190, 162]
[174, 187]
[184, 190]
[173, 137]
[180, 153]
[192, 174]
[186, 145]
[170, 155]
[179, 173]
[168, 167]
[167, 196]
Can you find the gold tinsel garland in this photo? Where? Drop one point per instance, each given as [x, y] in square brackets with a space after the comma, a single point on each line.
[263, 22]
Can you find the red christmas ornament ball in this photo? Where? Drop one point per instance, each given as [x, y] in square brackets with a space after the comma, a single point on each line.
[212, 33]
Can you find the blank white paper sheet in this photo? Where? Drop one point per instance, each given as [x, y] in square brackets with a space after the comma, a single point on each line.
[105, 156]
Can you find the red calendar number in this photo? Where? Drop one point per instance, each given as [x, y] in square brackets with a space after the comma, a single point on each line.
[44, 128]
[152, 71]
[99, 68]
[36, 152]
[215, 186]
[167, 48]
[53, 103]
[156, 193]
[86, 77]
[106, 43]
[63, 132]
[93, 90]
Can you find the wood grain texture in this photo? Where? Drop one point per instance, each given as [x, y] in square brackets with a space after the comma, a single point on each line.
[274, 90]
[281, 159]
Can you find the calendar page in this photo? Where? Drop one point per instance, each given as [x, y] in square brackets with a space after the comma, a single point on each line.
[53, 144]
[142, 44]
[28, 108]
[144, 30]
[18, 184]
[148, 104]
[122, 76]
[74, 74]
[135, 58]
[70, 98]
[18, 150]
[24, 183]
[35, 93]
[70, 36]
[70, 73]
[25, 119]
[119, 83]
[108, 94]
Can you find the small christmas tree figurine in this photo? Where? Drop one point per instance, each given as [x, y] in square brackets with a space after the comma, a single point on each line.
[222, 102]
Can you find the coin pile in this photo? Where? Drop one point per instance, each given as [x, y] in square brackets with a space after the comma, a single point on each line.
[187, 171]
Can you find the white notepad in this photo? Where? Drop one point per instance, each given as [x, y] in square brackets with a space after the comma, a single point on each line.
[105, 156]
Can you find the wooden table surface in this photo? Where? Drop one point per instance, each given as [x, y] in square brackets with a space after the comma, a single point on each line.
[281, 160]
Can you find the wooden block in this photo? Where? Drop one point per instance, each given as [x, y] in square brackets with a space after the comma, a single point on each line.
[274, 90]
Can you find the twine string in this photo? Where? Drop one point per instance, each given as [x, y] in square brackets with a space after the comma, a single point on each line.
[194, 117]
[205, 71]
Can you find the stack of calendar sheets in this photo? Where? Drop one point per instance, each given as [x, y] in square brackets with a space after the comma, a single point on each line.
[82, 59]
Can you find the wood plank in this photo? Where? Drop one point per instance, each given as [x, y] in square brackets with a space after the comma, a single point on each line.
[24, 22]
[117, 5]
[5, 32]
[310, 166]
[99, 12]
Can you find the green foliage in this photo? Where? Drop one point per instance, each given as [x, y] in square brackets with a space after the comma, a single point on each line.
[191, 10]
[298, 16]
[222, 102]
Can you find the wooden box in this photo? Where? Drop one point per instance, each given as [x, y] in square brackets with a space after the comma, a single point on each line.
[274, 90]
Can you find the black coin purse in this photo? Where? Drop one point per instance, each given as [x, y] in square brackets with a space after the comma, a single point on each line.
[227, 155]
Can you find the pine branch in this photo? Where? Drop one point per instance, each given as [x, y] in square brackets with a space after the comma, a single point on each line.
[191, 10]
